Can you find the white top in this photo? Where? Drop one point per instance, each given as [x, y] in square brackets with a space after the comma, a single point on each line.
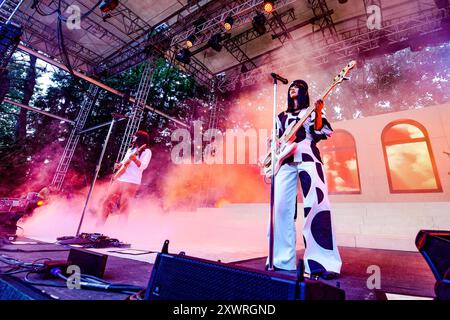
[133, 174]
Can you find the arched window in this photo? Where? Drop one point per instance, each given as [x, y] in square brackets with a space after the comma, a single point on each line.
[409, 159]
[341, 163]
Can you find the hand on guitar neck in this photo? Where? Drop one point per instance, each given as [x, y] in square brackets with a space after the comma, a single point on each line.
[286, 143]
[318, 120]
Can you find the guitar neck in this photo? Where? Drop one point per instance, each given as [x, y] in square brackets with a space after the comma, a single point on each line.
[308, 113]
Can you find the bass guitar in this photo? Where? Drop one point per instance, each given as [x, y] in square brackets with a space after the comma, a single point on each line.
[125, 165]
[285, 144]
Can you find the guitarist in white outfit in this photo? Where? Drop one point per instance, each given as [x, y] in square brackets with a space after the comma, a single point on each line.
[126, 184]
[321, 254]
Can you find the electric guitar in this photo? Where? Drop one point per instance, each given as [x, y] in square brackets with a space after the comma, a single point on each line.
[285, 144]
[125, 165]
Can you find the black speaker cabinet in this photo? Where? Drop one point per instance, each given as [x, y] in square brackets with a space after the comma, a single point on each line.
[12, 288]
[435, 248]
[179, 277]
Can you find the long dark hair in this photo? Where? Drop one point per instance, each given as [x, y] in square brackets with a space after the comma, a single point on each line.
[302, 98]
[142, 138]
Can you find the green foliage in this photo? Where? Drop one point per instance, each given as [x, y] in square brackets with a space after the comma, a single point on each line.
[400, 81]
[46, 137]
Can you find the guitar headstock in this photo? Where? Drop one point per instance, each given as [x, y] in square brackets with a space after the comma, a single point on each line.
[344, 73]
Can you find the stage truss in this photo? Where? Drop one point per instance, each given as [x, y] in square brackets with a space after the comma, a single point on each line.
[132, 40]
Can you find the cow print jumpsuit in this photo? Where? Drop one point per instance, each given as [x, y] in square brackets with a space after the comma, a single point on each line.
[321, 252]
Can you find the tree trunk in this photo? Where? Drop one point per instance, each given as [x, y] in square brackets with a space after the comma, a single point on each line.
[4, 84]
[30, 83]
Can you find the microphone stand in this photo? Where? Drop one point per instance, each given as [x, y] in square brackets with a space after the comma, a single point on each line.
[272, 183]
[116, 118]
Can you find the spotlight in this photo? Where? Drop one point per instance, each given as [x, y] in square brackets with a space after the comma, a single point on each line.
[184, 56]
[108, 5]
[228, 23]
[269, 5]
[214, 42]
[190, 41]
[259, 22]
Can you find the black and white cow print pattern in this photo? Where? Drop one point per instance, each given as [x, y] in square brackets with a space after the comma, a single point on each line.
[321, 252]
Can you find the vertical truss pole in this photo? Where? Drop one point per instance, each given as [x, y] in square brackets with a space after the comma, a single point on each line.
[72, 142]
[138, 107]
[212, 124]
[10, 39]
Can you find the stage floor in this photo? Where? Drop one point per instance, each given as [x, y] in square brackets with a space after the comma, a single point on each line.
[404, 273]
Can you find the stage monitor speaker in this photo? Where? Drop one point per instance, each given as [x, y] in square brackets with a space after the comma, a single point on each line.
[12, 288]
[435, 248]
[179, 277]
[90, 263]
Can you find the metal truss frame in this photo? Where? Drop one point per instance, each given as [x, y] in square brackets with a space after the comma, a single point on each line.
[241, 12]
[323, 20]
[358, 41]
[138, 107]
[72, 142]
[133, 24]
[8, 8]
[352, 44]
[36, 34]
[233, 45]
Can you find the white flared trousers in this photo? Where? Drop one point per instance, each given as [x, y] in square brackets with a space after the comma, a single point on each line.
[321, 252]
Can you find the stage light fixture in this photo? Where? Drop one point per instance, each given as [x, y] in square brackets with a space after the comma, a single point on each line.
[108, 5]
[198, 23]
[214, 42]
[269, 6]
[184, 56]
[259, 22]
[228, 24]
[190, 41]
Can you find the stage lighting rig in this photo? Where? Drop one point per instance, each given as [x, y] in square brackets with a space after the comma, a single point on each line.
[190, 41]
[228, 23]
[269, 6]
[259, 22]
[108, 5]
[184, 56]
[198, 23]
[215, 42]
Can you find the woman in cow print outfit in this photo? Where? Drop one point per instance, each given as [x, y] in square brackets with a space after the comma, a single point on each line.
[321, 253]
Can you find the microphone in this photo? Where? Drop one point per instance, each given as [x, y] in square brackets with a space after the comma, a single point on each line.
[276, 76]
